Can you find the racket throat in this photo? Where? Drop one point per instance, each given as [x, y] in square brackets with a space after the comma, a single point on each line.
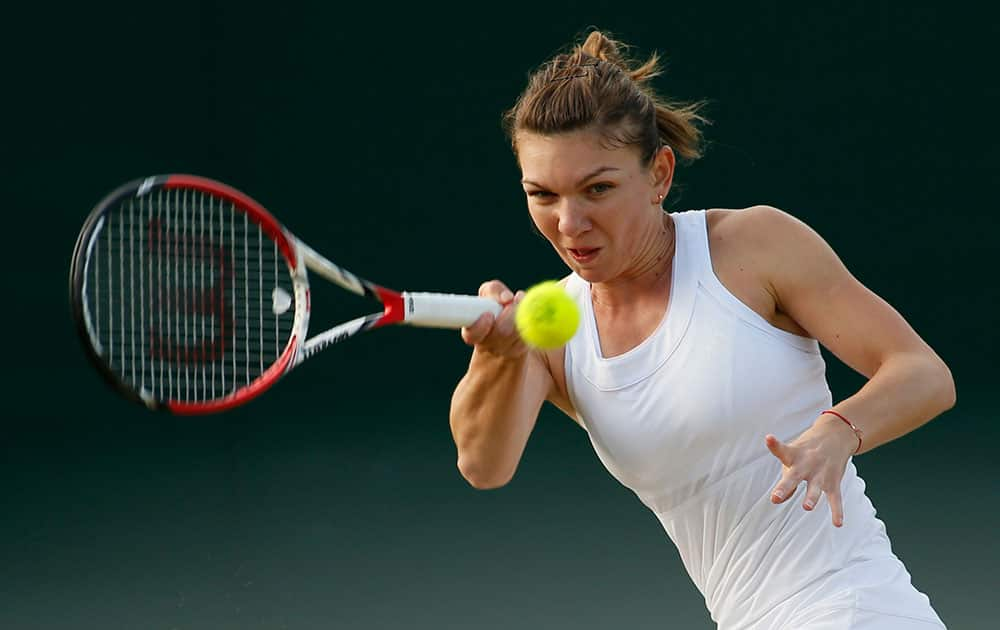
[394, 306]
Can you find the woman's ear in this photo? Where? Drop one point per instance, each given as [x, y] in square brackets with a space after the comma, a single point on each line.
[662, 170]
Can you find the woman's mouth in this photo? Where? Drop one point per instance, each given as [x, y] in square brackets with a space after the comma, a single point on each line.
[583, 254]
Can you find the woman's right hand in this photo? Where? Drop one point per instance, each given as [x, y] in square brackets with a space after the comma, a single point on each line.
[497, 335]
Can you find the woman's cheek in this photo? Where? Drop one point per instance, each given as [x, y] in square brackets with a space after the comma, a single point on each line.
[545, 222]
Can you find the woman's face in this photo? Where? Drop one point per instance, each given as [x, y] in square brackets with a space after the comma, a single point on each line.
[596, 205]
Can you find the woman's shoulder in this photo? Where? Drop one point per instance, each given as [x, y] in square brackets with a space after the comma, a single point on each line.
[751, 222]
[761, 229]
[749, 249]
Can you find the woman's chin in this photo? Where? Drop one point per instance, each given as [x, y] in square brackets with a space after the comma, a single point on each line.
[590, 270]
[591, 274]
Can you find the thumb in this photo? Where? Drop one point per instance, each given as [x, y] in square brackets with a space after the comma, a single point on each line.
[779, 449]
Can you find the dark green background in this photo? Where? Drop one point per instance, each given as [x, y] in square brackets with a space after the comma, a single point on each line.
[374, 134]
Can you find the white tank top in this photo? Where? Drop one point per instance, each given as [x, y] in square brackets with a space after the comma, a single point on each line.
[680, 419]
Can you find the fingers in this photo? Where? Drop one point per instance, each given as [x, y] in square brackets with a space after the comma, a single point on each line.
[813, 492]
[496, 334]
[496, 290]
[836, 506]
[478, 330]
[504, 326]
[779, 449]
[786, 487]
[821, 474]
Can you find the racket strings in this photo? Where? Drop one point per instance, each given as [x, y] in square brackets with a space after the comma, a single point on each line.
[180, 290]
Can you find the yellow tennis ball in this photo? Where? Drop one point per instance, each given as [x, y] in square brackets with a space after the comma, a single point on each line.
[547, 317]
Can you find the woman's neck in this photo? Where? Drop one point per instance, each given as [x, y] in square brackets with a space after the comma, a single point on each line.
[647, 276]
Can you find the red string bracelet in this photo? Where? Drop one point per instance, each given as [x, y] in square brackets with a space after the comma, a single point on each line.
[856, 430]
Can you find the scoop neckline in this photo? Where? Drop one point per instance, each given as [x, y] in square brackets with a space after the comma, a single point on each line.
[660, 326]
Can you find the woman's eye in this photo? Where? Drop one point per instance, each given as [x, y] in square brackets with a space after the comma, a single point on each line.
[539, 194]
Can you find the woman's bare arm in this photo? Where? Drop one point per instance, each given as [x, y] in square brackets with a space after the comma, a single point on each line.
[495, 405]
[908, 383]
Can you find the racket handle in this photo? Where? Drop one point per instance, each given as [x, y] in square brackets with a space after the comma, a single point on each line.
[446, 310]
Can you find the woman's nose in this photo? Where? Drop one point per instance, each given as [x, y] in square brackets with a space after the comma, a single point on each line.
[573, 219]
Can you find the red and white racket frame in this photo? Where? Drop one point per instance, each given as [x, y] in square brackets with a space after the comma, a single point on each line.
[432, 310]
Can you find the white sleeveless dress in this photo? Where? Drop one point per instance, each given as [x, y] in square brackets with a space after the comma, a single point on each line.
[680, 420]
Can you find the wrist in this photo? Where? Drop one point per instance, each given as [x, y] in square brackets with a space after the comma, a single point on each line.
[851, 435]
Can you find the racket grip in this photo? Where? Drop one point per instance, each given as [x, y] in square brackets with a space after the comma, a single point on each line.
[446, 310]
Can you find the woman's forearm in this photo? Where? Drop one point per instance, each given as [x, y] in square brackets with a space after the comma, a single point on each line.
[493, 411]
[905, 392]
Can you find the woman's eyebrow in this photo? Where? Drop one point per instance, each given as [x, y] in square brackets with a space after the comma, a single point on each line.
[590, 175]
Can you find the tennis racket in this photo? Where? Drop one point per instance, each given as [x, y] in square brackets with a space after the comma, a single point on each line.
[190, 297]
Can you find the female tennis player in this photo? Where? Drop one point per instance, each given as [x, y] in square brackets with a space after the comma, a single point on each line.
[697, 370]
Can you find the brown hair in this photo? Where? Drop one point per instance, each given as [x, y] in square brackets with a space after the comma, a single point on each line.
[596, 86]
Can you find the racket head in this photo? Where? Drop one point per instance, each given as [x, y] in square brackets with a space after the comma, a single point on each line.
[187, 294]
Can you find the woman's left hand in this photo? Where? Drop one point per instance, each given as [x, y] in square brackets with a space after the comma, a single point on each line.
[819, 457]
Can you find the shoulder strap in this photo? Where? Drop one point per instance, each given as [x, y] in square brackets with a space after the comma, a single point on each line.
[692, 235]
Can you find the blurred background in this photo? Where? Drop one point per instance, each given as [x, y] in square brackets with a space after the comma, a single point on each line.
[374, 133]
